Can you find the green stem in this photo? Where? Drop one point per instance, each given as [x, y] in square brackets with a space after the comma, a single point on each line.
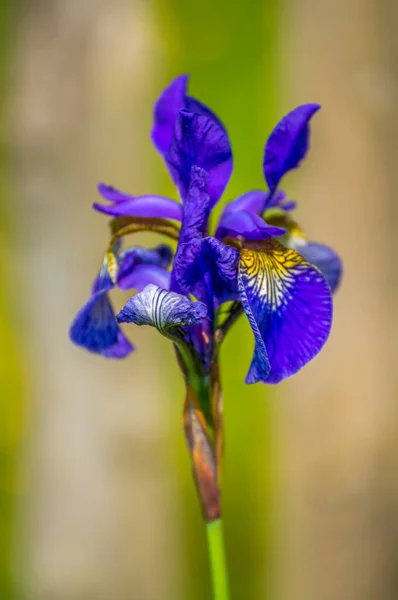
[215, 542]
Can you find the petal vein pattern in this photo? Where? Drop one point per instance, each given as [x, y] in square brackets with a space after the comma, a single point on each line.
[290, 304]
[162, 309]
[95, 328]
[199, 141]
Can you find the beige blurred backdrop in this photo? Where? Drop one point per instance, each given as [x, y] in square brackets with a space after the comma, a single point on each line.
[100, 513]
[340, 424]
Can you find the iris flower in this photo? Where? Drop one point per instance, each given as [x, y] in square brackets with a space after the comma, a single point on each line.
[258, 261]
[255, 262]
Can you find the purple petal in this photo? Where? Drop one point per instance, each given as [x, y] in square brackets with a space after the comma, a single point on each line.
[204, 143]
[142, 275]
[140, 266]
[200, 141]
[260, 366]
[274, 199]
[327, 261]
[171, 101]
[207, 267]
[195, 106]
[223, 261]
[161, 309]
[202, 266]
[278, 200]
[289, 306]
[248, 225]
[139, 206]
[112, 194]
[188, 270]
[103, 281]
[254, 201]
[120, 349]
[196, 207]
[288, 205]
[95, 329]
[287, 144]
[160, 256]
[319, 255]
[194, 225]
[166, 110]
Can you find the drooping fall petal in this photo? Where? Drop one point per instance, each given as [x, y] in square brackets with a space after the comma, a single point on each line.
[289, 307]
[95, 329]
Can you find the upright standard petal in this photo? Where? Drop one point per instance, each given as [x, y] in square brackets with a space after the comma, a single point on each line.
[162, 309]
[95, 329]
[287, 144]
[289, 307]
[124, 205]
[199, 140]
[173, 99]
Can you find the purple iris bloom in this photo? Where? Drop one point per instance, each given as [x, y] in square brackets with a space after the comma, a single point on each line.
[257, 262]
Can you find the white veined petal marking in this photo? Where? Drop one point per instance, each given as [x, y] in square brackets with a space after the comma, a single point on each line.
[157, 308]
[164, 310]
[270, 272]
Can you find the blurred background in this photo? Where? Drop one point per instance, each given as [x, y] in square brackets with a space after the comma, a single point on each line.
[96, 497]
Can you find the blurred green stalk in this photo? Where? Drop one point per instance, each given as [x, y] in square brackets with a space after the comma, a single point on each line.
[215, 542]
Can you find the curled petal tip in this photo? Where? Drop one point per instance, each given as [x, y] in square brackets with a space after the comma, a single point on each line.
[162, 309]
[110, 193]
